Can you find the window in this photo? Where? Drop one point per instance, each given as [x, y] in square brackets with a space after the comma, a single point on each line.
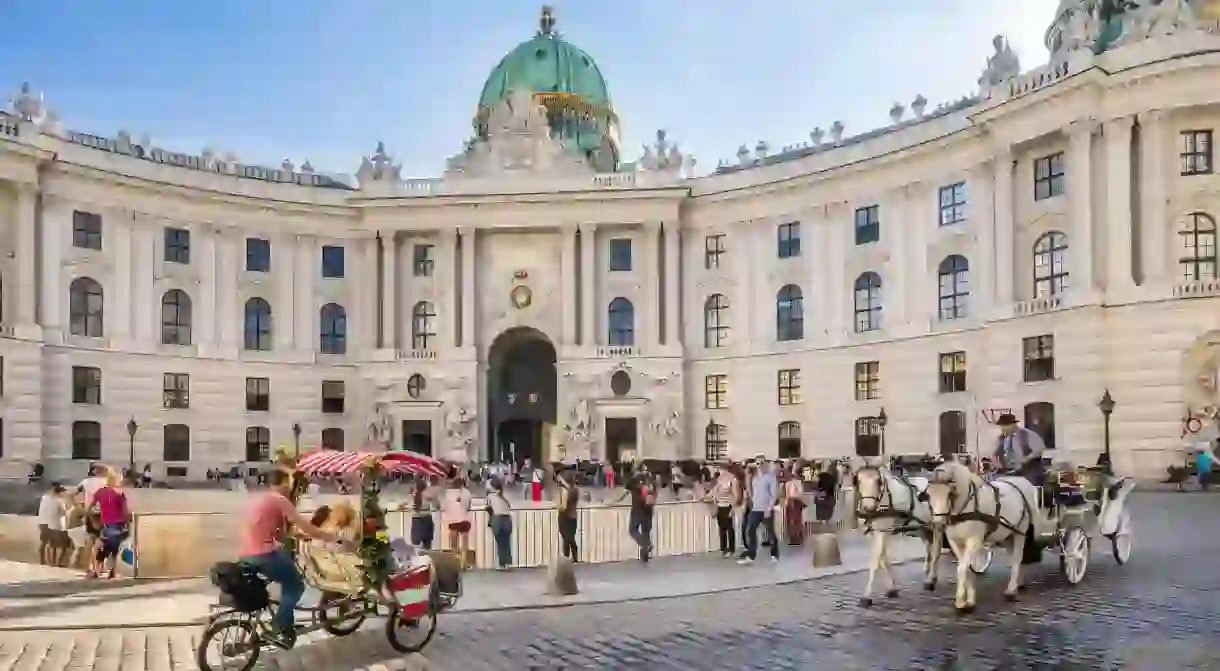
[422, 260]
[1039, 353]
[258, 255]
[620, 322]
[789, 384]
[620, 254]
[1, 388]
[868, 437]
[1196, 152]
[952, 372]
[175, 318]
[788, 240]
[332, 261]
[868, 224]
[416, 384]
[868, 302]
[258, 443]
[716, 443]
[258, 325]
[333, 392]
[85, 308]
[334, 329]
[423, 325]
[716, 392]
[1040, 418]
[715, 321]
[954, 278]
[1198, 258]
[176, 390]
[952, 425]
[87, 441]
[1050, 265]
[332, 439]
[713, 250]
[258, 394]
[868, 381]
[87, 385]
[87, 230]
[177, 443]
[952, 204]
[789, 440]
[1048, 176]
[177, 245]
[789, 314]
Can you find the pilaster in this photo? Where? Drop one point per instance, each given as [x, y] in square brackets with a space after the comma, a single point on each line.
[1119, 263]
[389, 293]
[447, 310]
[229, 316]
[147, 306]
[306, 321]
[468, 328]
[673, 279]
[366, 276]
[588, 284]
[1080, 193]
[896, 233]
[204, 329]
[119, 312]
[1005, 232]
[980, 203]
[283, 304]
[741, 303]
[652, 287]
[27, 255]
[1155, 231]
[569, 287]
[56, 215]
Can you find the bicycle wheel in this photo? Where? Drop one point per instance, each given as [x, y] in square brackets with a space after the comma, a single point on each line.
[340, 615]
[408, 636]
[239, 646]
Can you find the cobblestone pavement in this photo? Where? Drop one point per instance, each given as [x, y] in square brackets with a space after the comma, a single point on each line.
[1161, 611]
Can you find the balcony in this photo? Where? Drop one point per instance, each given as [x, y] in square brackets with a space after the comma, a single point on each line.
[615, 351]
[418, 354]
[1197, 289]
[1037, 306]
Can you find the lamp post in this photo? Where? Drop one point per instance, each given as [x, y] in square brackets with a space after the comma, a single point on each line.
[1107, 408]
[296, 439]
[132, 427]
[882, 420]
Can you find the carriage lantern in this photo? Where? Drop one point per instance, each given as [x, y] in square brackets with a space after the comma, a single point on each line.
[882, 420]
[1107, 408]
[132, 427]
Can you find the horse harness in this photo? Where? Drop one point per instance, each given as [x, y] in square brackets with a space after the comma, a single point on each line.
[885, 508]
[992, 520]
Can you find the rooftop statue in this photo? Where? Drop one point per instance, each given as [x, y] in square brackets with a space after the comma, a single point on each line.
[518, 141]
[27, 106]
[1001, 66]
[1141, 19]
[665, 157]
[378, 168]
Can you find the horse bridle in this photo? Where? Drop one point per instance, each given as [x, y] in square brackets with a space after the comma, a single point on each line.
[884, 498]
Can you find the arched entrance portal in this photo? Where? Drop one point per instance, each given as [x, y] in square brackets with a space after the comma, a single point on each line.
[521, 394]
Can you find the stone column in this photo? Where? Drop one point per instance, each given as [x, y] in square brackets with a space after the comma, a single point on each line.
[204, 329]
[147, 306]
[980, 203]
[118, 312]
[448, 308]
[27, 255]
[389, 293]
[839, 287]
[366, 278]
[673, 279]
[1080, 191]
[56, 216]
[283, 303]
[1119, 262]
[588, 282]
[651, 312]
[306, 322]
[741, 300]
[1005, 234]
[896, 223]
[229, 315]
[466, 333]
[1155, 228]
[568, 285]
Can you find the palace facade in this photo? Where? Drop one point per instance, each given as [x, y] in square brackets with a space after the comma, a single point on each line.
[1025, 248]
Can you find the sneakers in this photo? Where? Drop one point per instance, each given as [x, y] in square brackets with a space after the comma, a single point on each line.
[775, 560]
[282, 639]
[745, 560]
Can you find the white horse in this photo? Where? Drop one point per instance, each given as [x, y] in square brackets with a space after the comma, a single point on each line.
[890, 505]
[973, 512]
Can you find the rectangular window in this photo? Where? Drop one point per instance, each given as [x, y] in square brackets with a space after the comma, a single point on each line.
[1039, 354]
[332, 439]
[952, 372]
[258, 255]
[789, 383]
[332, 261]
[620, 254]
[1049, 180]
[868, 381]
[176, 443]
[176, 390]
[333, 392]
[713, 250]
[177, 245]
[868, 224]
[258, 394]
[868, 437]
[1196, 152]
[87, 440]
[87, 385]
[87, 230]
[788, 240]
[952, 204]
[258, 443]
[422, 260]
[716, 392]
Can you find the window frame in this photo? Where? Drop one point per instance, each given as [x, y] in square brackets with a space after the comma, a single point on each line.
[788, 386]
[86, 447]
[715, 321]
[620, 255]
[333, 269]
[176, 391]
[258, 394]
[953, 208]
[258, 255]
[87, 230]
[867, 432]
[1038, 358]
[867, 318]
[423, 325]
[171, 444]
[953, 370]
[423, 259]
[1198, 246]
[334, 404]
[953, 288]
[620, 322]
[788, 240]
[716, 442]
[177, 245]
[1193, 159]
[867, 375]
[867, 224]
[713, 250]
[86, 385]
[328, 439]
[332, 329]
[1050, 176]
[258, 335]
[789, 313]
[716, 391]
[258, 442]
[176, 325]
[1050, 264]
[86, 308]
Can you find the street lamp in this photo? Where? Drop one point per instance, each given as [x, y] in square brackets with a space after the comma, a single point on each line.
[132, 427]
[1107, 408]
[882, 420]
[296, 438]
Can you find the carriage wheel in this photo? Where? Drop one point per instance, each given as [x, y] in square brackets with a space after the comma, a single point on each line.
[340, 615]
[1074, 554]
[407, 636]
[1120, 540]
[982, 560]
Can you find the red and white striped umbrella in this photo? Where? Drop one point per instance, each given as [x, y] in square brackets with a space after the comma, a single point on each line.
[335, 461]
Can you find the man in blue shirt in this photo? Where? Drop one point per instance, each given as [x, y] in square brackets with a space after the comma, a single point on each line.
[764, 493]
[1204, 461]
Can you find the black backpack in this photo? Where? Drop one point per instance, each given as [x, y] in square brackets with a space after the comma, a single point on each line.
[240, 586]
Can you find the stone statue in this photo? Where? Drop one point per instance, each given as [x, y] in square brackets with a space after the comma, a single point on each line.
[518, 141]
[27, 106]
[1081, 31]
[1145, 18]
[1001, 66]
[379, 167]
[381, 429]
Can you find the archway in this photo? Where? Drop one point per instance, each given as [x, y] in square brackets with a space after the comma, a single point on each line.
[521, 395]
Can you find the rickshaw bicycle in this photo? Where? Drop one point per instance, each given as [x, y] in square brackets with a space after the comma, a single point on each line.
[410, 587]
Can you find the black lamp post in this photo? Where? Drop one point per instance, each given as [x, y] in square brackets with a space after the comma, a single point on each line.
[296, 438]
[882, 420]
[132, 427]
[1107, 408]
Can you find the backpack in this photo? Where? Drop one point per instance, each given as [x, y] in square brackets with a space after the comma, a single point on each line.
[240, 586]
[648, 494]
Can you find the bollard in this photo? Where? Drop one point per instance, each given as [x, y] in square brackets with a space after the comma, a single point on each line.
[826, 551]
[561, 578]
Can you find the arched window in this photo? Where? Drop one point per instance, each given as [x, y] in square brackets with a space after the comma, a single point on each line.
[258, 325]
[716, 439]
[1050, 265]
[85, 307]
[334, 329]
[423, 325]
[952, 427]
[620, 323]
[789, 313]
[1198, 252]
[177, 443]
[1040, 418]
[954, 278]
[175, 318]
[715, 321]
[868, 302]
[789, 435]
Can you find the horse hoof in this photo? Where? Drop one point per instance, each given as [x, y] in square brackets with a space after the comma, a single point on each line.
[964, 610]
[866, 602]
[891, 594]
[1010, 597]
[929, 586]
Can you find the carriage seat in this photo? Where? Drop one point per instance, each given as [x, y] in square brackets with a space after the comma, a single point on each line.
[328, 569]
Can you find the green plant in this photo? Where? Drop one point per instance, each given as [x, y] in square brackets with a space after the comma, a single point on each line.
[374, 542]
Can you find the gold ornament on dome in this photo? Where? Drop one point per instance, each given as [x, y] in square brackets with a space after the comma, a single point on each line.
[521, 296]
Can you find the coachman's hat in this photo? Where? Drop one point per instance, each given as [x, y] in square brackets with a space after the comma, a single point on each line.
[1006, 419]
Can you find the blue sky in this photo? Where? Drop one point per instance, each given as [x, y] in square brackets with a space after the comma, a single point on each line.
[325, 80]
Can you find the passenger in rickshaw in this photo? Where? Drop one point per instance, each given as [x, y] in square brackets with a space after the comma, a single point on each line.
[337, 565]
[1019, 450]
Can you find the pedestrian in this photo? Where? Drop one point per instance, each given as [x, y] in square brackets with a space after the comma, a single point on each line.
[569, 497]
[93, 525]
[764, 493]
[725, 494]
[745, 482]
[500, 520]
[794, 510]
[643, 492]
[53, 541]
[115, 516]
[146, 478]
[424, 504]
[457, 516]
[1204, 462]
